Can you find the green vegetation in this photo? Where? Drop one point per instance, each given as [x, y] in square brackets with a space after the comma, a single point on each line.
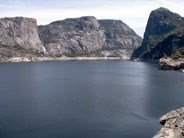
[178, 53]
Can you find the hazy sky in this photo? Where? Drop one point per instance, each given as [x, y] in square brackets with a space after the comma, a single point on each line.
[133, 12]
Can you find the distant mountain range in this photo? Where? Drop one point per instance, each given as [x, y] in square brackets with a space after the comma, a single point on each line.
[85, 36]
[88, 37]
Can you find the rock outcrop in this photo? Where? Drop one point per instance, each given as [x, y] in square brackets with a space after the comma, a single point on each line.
[19, 37]
[164, 34]
[173, 125]
[170, 63]
[86, 36]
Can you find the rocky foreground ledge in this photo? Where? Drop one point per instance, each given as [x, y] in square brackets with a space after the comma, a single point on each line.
[173, 125]
[170, 63]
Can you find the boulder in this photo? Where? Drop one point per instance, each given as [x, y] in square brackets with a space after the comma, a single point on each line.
[173, 125]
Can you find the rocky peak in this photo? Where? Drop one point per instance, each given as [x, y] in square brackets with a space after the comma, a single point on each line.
[84, 23]
[161, 22]
[162, 9]
[90, 21]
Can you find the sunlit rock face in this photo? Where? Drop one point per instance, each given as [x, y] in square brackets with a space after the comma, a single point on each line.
[119, 35]
[19, 37]
[85, 36]
[72, 36]
[88, 36]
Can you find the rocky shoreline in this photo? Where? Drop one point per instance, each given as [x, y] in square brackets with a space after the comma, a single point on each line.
[173, 125]
[171, 64]
[33, 59]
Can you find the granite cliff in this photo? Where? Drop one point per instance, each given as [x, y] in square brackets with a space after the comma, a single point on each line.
[71, 36]
[164, 36]
[22, 40]
[19, 38]
[87, 36]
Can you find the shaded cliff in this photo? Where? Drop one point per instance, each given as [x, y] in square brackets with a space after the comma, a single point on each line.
[90, 37]
[163, 36]
[19, 37]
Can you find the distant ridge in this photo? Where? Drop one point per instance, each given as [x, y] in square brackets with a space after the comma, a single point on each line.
[22, 39]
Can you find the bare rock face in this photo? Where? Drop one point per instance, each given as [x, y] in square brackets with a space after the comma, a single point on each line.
[173, 125]
[119, 35]
[85, 36]
[161, 21]
[88, 36]
[72, 36]
[19, 37]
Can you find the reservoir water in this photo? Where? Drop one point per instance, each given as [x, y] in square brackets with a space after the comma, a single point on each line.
[86, 99]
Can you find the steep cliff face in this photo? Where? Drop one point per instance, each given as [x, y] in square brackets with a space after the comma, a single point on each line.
[19, 37]
[166, 46]
[72, 36]
[85, 36]
[163, 35]
[88, 36]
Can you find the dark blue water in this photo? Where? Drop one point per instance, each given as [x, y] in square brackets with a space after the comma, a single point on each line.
[86, 99]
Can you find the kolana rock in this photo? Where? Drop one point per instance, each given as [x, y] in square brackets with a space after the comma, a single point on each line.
[86, 36]
[173, 125]
[19, 38]
[163, 36]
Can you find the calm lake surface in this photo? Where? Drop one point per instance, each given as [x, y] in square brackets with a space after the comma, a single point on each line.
[86, 99]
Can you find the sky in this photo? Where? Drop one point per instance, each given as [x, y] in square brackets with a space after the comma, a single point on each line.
[134, 13]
